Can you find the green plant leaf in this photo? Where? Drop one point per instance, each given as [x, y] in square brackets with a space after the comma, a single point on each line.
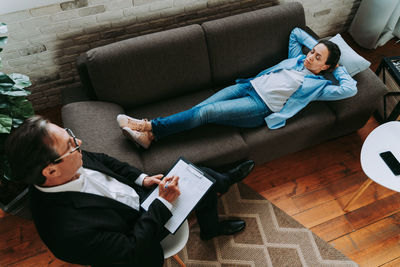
[23, 110]
[3, 40]
[4, 78]
[15, 92]
[3, 28]
[4, 103]
[14, 107]
[16, 122]
[14, 100]
[20, 80]
[5, 123]
[5, 87]
[14, 84]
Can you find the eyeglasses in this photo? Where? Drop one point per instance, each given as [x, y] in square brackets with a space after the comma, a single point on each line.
[77, 147]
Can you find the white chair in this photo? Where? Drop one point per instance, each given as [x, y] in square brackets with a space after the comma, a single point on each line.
[172, 244]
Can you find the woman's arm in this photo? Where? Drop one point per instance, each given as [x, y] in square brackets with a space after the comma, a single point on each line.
[346, 88]
[297, 39]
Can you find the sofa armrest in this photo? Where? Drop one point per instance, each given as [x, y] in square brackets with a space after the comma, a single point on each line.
[74, 94]
[370, 91]
[84, 76]
[311, 32]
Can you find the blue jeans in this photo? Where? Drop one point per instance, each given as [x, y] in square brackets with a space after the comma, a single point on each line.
[237, 105]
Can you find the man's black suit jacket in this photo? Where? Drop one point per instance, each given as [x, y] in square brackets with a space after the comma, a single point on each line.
[89, 229]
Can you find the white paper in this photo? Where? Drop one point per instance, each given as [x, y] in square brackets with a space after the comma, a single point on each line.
[192, 185]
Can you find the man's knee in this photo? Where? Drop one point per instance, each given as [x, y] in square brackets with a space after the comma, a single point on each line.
[222, 181]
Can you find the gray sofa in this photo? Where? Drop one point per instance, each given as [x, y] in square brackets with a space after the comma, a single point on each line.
[166, 72]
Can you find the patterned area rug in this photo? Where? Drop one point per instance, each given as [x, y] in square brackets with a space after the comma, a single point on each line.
[271, 238]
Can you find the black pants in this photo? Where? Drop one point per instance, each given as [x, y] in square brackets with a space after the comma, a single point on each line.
[206, 210]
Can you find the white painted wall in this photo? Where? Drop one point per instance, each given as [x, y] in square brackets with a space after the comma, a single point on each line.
[8, 6]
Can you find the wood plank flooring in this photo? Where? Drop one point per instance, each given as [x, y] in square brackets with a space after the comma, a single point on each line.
[311, 185]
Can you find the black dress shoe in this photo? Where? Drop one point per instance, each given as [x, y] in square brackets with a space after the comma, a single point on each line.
[227, 227]
[240, 172]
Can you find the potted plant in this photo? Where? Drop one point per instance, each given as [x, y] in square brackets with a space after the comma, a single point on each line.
[14, 109]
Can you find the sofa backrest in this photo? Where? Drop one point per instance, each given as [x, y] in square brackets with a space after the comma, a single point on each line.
[242, 45]
[149, 68]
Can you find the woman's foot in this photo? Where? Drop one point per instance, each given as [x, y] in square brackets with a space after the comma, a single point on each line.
[142, 139]
[134, 124]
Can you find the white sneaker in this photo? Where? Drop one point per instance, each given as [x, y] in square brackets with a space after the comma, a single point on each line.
[142, 139]
[134, 124]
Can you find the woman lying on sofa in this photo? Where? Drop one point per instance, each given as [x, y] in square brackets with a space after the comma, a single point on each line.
[273, 96]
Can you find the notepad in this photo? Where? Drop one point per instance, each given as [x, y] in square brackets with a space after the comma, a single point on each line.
[193, 185]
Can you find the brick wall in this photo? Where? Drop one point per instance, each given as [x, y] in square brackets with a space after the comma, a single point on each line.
[45, 42]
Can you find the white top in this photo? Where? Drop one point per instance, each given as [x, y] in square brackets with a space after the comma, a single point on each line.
[97, 183]
[276, 88]
[386, 137]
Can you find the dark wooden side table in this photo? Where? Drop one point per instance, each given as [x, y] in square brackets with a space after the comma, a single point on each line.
[389, 72]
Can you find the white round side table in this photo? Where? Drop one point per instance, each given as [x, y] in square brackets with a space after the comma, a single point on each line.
[385, 137]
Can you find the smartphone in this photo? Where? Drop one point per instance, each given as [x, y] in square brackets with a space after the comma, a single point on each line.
[391, 162]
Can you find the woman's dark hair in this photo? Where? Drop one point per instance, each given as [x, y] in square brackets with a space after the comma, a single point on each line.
[334, 55]
[29, 150]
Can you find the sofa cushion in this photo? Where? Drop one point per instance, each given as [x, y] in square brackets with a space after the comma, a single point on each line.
[167, 64]
[94, 122]
[210, 145]
[170, 106]
[242, 45]
[352, 113]
[310, 126]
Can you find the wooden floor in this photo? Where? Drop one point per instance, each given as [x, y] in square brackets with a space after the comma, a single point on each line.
[311, 185]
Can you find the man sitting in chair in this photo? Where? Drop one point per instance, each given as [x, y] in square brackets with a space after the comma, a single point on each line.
[86, 206]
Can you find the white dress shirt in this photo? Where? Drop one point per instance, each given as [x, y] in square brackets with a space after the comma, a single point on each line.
[94, 182]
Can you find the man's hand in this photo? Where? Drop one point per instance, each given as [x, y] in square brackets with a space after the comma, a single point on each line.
[168, 188]
[148, 181]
